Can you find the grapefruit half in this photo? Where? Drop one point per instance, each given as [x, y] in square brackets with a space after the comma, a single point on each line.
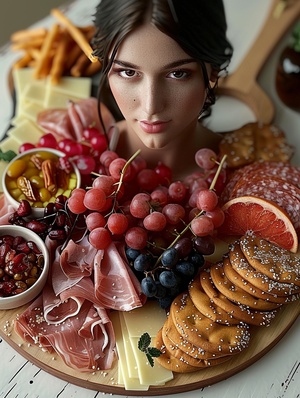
[262, 217]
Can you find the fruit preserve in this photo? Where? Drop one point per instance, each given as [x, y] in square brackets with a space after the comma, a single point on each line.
[39, 177]
[21, 264]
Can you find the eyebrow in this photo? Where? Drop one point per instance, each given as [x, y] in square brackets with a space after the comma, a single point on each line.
[174, 64]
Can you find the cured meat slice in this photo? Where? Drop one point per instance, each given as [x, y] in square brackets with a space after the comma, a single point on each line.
[80, 353]
[56, 121]
[114, 283]
[77, 259]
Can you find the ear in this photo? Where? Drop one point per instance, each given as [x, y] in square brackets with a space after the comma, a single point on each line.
[214, 74]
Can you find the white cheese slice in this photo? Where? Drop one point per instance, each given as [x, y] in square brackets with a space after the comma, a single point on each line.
[25, 131]
[130, 357]
[150, 319]
[28, 111]
[124, 363]
[10, 143]
[79, 87]
[35, 92]
[54, 99]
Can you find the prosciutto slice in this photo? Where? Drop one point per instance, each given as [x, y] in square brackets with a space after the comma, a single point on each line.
[115, 287]
[71, 121]
[80, 353]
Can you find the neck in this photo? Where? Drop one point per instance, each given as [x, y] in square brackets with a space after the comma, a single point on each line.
[178, 154]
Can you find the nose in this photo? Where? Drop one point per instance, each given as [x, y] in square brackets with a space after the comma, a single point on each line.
[152, 96]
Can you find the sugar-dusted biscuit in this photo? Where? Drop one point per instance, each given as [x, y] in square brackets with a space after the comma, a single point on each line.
[168, 360]
[255, 141]
[197, 353]
[277, 263]
[202, 332]
[242, 283]
[234, 293]
[241, 265]
[239, 311]
[207, 307]
[179, 352]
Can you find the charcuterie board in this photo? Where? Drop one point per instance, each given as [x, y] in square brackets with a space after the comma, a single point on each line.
[263, 339]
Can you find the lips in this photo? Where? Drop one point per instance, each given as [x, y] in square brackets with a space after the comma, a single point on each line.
[153, 127]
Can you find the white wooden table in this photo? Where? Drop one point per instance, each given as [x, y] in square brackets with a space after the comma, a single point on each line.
[277, 374]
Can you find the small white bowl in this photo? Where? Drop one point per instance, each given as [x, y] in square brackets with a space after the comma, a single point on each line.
[7, 303]
[36, 211]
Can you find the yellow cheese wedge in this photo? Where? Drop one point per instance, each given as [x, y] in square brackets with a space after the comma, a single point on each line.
[28, 111]
[147, 319]
[9, 143]
[26, 131]
[79, 87]
[130, 383]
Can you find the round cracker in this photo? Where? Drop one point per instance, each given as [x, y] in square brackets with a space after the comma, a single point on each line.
[234, 293]
[242, 312]
[169, 329]
[277, 263]
[167, 360]
[258, 279]
[178, 352]
[236, 279]
[202, 332]
[205, 305]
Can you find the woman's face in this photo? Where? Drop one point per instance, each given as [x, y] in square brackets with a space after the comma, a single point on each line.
[159, 88]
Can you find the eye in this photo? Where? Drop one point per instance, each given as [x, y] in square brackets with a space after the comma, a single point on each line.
[179, 74]
[127, 73]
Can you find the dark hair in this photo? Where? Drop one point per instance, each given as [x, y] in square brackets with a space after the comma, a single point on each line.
[198, 26]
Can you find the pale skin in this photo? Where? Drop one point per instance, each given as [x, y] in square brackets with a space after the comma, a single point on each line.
[160, 91]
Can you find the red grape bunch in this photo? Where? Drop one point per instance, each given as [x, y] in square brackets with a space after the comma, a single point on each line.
[167, 226]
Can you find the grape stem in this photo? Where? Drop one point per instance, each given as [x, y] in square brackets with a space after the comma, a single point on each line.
[187, 227]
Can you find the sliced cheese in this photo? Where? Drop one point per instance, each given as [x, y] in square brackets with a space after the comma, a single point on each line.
[133, 371]
[28, 111]
[79, 87]
[10, 143]
[54, 99]
[150, 319]
[35, 92]
[25, 131]
[130, 383]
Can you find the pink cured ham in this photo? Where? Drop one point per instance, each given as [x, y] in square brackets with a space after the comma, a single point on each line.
[57, 122]
[70, 122]
[57, 309]
[5, 210]
[76, 260]
[84, 114]
[115, 286]
[84, 354]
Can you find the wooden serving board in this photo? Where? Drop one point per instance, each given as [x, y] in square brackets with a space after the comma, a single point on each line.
[263, 339]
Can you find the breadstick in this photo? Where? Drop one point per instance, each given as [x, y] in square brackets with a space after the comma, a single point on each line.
[92, 69]
[80, 65]
[76, 33]
[59, 59]
[45, 51]
[28, 34]
[25, 45]
[23, 61]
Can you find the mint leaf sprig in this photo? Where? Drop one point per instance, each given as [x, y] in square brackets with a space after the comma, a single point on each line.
[144, 346]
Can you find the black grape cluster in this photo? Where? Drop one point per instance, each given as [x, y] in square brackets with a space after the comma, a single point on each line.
[163, 277]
